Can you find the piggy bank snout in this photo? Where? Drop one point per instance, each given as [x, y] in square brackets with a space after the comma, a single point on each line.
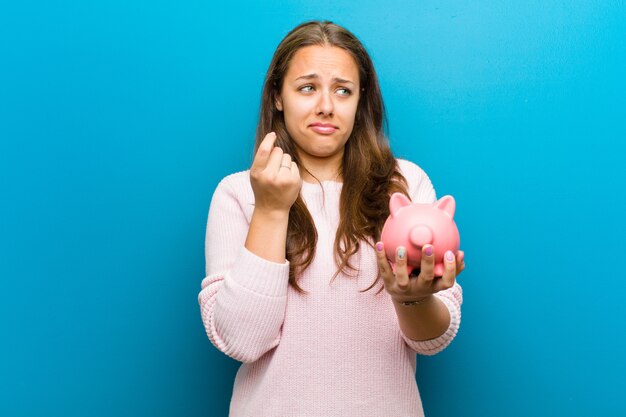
[421, 235]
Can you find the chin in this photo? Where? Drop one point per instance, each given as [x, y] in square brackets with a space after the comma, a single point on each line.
[324, 153]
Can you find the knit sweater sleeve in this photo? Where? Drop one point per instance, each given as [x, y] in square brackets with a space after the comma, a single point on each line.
[421, 190]
[243, 297]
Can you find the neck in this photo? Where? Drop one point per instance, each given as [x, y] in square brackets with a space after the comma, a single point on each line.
[322, 169]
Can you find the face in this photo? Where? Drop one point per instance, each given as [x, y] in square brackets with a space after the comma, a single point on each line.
[319, 99]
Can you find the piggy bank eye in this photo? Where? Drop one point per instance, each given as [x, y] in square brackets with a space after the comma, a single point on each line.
[414, 273]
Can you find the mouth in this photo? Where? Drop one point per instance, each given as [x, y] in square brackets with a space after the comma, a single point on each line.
[323, 128]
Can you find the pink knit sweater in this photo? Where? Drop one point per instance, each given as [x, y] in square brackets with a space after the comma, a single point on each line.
[332, 352]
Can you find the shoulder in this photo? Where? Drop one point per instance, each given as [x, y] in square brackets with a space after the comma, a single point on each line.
[420, 187]
[410, 170]
[234, 190]
[236, 181]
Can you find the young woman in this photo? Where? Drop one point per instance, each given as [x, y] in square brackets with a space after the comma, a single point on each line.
[298, 287]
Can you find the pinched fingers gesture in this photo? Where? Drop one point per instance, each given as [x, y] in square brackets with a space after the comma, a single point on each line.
[403, 287]
[274, 177]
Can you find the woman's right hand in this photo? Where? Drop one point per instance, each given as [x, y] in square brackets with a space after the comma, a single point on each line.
[275, 178]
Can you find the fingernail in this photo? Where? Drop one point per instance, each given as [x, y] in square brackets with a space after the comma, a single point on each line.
[401, 252]
[428, 251]
[379, 246]
[449, 256]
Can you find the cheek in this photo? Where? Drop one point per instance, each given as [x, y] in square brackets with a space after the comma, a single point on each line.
[293, 118]
[296, 108]
[349, 114]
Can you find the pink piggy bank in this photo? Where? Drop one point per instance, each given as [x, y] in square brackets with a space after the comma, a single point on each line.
[415, 225]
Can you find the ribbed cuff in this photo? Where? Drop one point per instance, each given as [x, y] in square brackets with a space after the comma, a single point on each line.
[260, 275]
[436, 345]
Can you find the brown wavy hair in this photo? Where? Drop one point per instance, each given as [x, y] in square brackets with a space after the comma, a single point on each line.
[369, 170]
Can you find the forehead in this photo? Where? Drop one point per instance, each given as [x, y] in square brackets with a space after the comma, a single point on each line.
[325, 61]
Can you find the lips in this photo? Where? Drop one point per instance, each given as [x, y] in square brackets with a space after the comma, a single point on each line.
[323, 128]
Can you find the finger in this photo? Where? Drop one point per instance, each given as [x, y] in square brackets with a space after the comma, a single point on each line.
[402, 275]
[273, 163]
[449, 272]
[383, 264]
[285, 163]
[295, 171]
[263, 153]
[460, 261]
[428, 263]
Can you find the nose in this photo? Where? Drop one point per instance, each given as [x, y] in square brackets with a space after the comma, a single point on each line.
[421, 235]
[325, 105]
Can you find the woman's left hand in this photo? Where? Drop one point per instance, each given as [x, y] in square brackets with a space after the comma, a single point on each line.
[403, 288]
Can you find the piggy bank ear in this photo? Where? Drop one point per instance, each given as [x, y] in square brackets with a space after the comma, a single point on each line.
[397, 201]
[446, 204]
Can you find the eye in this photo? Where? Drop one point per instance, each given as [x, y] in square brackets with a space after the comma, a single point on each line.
[306, 88]
[344, 91]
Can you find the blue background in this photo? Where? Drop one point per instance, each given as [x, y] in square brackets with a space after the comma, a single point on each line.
[118, 119]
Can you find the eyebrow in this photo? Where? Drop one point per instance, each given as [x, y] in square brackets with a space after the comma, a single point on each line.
[316, 77]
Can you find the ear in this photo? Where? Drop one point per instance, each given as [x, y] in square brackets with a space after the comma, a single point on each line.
[447, 205]
[279, 102]
[397, 201]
